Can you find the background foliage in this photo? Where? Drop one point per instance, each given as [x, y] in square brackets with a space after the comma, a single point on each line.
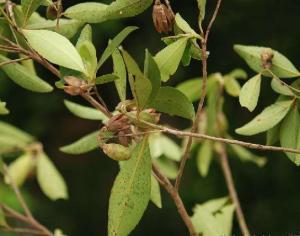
[269, 196]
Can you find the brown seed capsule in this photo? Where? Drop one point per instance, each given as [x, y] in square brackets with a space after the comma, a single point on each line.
[266, 58]
[74, 86]
[116, 151]
[163, 17]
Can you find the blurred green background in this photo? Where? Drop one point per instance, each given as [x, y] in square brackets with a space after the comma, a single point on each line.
[269, 195]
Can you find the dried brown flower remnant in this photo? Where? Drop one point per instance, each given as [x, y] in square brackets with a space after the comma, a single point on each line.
[74, 86]
[266, 58]
[54, 10]
[163, 17]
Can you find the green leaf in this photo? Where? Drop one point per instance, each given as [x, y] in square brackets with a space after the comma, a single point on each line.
[90, 12]
[191, 89]
[140, 86]
[126, 8]
[173, 102]
[202, 8]
[7, 143]
[85, 144]
[59, 232]
[169, 58]
[20, 169]
[281, 66]
[205, 223]
[204, 157]
[131, 192]
[238, 74]
[3, 222]
[183, 25]
[168, 167]
[114, 43]
[266, 120]
[87, 51]
[225, 218]
[232, 87]
[28, 7]
[290, 133]
[273, 135]
[86, 34]
[215, 205]
[120, 71]
[3, 109]
[67, 28]
[84, 112]
[151, 72]
[13, 132]
[155, 192]
[250, 93]
[281, 87]
[23, 77]
[55, 48]
[162, 145]
[50, 180]
[103, 79]
[246, 156]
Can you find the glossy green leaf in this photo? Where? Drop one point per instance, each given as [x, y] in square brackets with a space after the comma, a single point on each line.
[155, 192]
[20, 169]
[85, 144]
[151, 72]
[67, 27]
[266, 120]
[103, 79]
[131, 192]
[232, 86]
[49, 179]
[28, 7]
[15, 133]
[90, 12]
[55, 48]
[84, 111]
[87, 51]
[290, 133]
[173, 102]
[250, 93]
[183, 25]
[23, 77]
[3, 109]
[169, 58]
[281, 66]
[204, 157]
[120, 71]
[115, 43]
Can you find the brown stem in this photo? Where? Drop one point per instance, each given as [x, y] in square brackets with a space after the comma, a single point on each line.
[13, 61]
[232, 191]
[97, 105]
[176, 198]
[219, 139]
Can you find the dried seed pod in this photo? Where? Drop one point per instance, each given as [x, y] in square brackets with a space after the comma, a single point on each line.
[163, 17]
[266, 58]
[74, 86]
[116, 151]
[54, 10]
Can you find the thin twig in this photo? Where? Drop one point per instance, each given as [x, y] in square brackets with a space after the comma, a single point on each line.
[232, 191]
[97, 105]
[219, 139]
[14, 61]
[164, 181]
